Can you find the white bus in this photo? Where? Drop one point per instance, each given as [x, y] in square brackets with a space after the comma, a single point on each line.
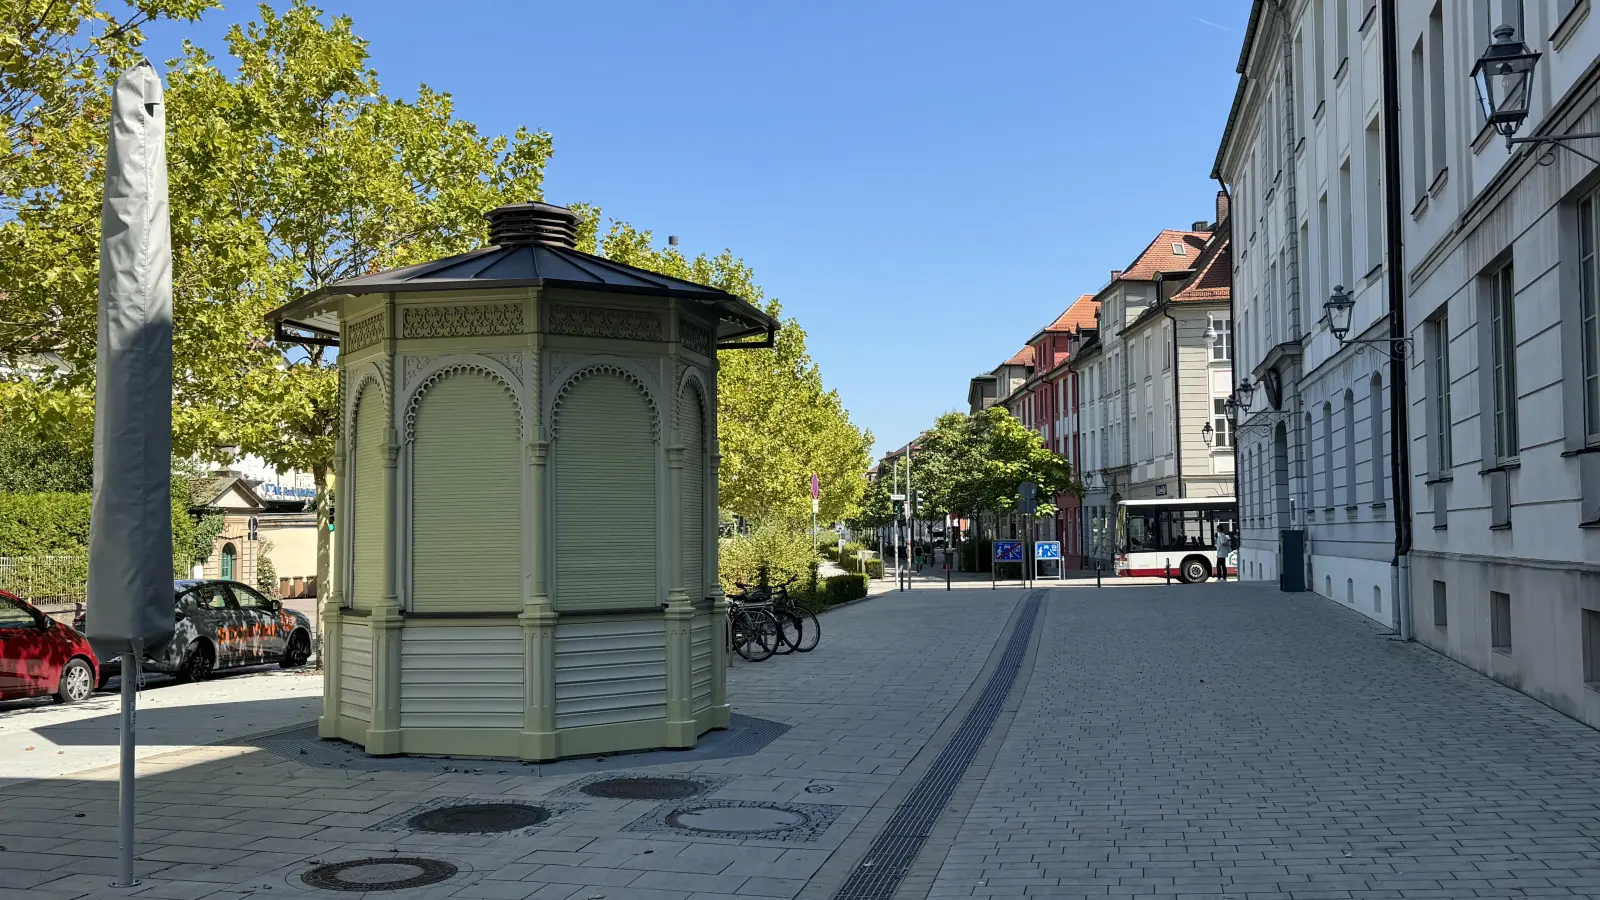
[1153, 535]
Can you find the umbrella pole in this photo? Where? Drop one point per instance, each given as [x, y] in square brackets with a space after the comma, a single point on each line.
[130, 682]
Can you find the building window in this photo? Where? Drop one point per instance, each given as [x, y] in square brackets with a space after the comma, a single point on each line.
[1441, 606]
[1436, 96]
[1350, 448]
[1500, 621]
[1307, 289]
[1375, 414]
[1222, 338]
[1589, 312]
[1347, 264]
[1503, 356]
[1341, 30]
[1221, 423]
[1439, 370]
[1375, 219]
[1419, 121]
[1324, 265]
[1327, 455]
[1319, 44]
[1591, 647]
[228, 555]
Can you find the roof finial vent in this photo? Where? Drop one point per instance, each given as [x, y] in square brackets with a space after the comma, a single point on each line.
[533, 223]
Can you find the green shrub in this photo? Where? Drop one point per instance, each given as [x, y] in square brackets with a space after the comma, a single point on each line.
[771, 551]
[43, 524]
[844, 588]
[976, 555]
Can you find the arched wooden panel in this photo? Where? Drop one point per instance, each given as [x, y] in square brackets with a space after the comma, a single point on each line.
[365, 521]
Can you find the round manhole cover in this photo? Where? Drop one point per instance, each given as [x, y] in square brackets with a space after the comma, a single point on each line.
[479, 818]
[737, 819]
[644, 788]
[394, 873]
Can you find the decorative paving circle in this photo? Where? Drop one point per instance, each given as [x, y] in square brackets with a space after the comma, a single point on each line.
[745, 820]
[479, 818]
[644, 788]
[392, 873]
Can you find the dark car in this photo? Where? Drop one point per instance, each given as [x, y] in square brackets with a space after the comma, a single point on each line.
[224, 624]
[40, 656]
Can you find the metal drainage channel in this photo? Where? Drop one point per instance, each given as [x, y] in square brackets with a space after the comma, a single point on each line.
[479, 818]
[396, 873]
[893, 850]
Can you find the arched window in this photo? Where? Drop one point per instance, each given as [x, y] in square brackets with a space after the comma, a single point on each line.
[1375, 412]
[1327, 455]
[228, 556]
[1350, 448]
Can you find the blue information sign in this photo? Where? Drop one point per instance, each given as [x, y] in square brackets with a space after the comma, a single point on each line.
[1047, 550]
[1008, 551]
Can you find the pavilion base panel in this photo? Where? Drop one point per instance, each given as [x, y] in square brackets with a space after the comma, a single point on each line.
[497, 743]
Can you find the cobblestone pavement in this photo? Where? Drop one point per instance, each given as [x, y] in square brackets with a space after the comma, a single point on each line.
[1228, 742]
[1209, 742]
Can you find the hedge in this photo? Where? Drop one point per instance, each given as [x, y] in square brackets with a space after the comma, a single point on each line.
[844, 588]
[44, 524]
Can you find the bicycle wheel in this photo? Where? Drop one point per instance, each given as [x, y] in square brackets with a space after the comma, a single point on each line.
[810, 630]
[790, 630]
[755, 635]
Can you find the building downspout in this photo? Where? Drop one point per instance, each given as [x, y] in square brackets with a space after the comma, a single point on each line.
[1177, 394]
[1238, 526]
[1394, 280]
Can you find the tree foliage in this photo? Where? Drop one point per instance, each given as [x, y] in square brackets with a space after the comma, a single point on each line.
[968, 465]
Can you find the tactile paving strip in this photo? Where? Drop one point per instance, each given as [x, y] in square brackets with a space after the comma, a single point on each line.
[879, 875]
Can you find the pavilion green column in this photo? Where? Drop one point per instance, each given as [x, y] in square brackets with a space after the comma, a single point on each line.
[538, 620]
[720, 714]
[383, 736]
[330, 600]
[678, 619]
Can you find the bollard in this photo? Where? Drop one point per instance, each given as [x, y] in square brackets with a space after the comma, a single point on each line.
[947, 571]
[1169, 571]
[1097, 575]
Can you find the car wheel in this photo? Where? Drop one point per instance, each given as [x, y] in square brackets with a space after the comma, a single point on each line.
[198, 663]
[1195, 570]
[77, 682]
[298, 651]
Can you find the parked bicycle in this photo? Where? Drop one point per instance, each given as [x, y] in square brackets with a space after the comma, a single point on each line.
[797, 626]
[753, 631]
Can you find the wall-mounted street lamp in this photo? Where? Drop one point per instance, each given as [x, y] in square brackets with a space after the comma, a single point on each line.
[1207, 433]
[1504, 76]
[1244, 394]
[1338, 310]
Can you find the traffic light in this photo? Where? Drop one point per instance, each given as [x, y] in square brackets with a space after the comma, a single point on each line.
[899, 509]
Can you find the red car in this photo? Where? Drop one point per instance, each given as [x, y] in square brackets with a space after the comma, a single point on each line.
[40, 656]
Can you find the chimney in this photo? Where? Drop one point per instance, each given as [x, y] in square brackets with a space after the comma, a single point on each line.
[1115, 274]
[1222, 207]
[1201, 225]
[525, 224]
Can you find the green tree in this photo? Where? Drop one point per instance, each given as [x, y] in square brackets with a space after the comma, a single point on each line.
[876, 509]
[968, 465]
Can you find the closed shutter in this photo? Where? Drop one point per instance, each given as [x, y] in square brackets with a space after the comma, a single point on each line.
[466, 498]
[605, 498]
[692, 433]
[366, 488]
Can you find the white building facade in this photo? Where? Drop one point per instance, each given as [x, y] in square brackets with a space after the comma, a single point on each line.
[1302, 156]
[1503, 305]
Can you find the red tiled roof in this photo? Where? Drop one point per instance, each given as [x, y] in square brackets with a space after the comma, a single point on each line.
[1079, 315]
[1158, 257]
[1212, 282]
[1024, 357]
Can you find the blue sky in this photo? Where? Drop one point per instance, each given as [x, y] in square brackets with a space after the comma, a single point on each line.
[923, 184]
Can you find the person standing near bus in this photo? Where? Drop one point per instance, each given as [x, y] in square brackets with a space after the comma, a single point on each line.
[1224, 547]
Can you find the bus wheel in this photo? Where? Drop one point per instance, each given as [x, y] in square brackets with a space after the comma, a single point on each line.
[1194, 570]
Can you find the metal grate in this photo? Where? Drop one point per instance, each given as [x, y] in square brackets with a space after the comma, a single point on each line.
[896, 847]
[381, 873]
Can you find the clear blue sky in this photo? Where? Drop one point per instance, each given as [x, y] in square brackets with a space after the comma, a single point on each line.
[924, 184]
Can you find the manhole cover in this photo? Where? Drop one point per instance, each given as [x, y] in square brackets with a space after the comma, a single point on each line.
[644, 788]
[393, 873]
[479, 818]
[737, 819]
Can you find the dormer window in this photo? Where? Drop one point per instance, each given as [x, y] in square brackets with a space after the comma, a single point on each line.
[1178, 249]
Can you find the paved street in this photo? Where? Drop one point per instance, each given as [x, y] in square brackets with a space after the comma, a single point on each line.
[1211, 741]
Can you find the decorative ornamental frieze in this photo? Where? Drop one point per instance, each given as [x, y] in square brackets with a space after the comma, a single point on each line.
[694, 338]
[414, 365]
[512, 361]
[461, 321]
[364, 333]
[621, 324]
